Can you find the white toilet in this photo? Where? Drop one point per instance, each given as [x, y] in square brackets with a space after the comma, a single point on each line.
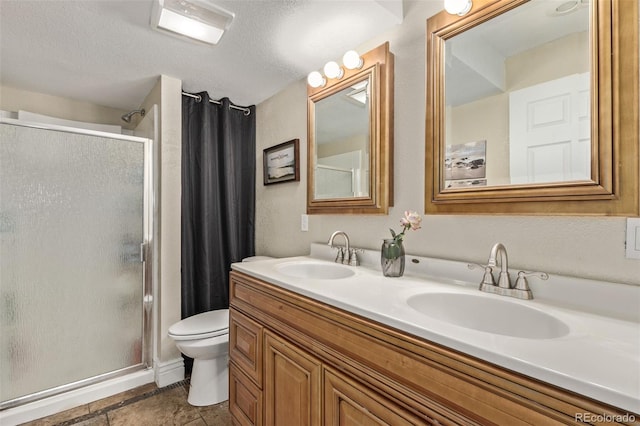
[205, 338]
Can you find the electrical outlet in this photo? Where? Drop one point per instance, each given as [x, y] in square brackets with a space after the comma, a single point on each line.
[633, 238]
[304, 222]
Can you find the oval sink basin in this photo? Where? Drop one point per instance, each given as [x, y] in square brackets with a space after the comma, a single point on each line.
[315, 270]
[489, 315]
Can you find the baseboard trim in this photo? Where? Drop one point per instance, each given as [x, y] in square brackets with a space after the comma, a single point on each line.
[169, 372]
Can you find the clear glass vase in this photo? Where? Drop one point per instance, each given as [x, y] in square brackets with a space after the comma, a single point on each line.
[392, 258]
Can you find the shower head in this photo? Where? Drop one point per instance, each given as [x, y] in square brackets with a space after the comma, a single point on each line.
[127, 117]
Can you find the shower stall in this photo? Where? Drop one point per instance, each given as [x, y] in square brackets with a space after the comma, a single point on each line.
[75, 284]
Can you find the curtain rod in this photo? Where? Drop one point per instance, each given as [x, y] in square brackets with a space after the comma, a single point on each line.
[247, 111]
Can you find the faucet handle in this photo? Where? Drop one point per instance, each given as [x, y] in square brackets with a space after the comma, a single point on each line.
[521, 281]
[487, 279]
[339, 255]
[476, 265]
[523, 286]
[353, 256]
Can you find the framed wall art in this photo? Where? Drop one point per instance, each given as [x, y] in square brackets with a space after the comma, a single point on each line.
[281, 163]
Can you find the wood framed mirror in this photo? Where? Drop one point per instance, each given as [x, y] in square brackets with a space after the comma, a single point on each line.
[496, 94]
[350, 137]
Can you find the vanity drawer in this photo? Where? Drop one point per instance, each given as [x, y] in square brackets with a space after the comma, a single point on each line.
[347, 402]
[245, 399]
[245, 345]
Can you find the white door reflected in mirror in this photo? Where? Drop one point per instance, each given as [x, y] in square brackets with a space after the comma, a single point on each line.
[549, 134]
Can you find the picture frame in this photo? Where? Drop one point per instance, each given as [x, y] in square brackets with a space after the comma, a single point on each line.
[281, 163]
[465, 164]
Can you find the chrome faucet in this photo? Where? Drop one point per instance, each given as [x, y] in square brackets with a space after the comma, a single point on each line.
[346, 255]
[498, 249]
[521, 290]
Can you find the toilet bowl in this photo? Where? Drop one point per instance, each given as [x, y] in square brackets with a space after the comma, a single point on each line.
[205, 338]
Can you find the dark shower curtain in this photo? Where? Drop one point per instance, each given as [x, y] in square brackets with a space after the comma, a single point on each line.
[218, 199]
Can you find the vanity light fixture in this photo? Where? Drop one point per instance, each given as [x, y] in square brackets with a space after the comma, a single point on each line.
[333, 70]
[457, 7]
[194, 19]
[352, 60]
[315, 79]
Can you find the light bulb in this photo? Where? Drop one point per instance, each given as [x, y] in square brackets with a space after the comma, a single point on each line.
[315, 79]
[333, 70]
[352, 60]
[457, 7]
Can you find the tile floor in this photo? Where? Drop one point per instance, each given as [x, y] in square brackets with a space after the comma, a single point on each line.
[143, 406]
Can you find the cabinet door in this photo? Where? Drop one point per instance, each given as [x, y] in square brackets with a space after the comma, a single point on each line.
[245, 345]
[348, 403]
[245, 399]
[291, 384]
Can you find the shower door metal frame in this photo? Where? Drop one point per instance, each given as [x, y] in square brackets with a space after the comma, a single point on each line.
[146, 257]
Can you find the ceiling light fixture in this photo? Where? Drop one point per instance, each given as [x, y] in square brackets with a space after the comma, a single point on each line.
[457, 7]
[194, 19]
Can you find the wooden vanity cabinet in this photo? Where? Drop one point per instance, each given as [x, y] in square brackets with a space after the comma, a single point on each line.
[297, 361]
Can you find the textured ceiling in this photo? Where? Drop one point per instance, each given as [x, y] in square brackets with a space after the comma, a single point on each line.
[105, 52]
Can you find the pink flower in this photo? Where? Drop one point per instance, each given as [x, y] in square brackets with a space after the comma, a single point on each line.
[411, 220]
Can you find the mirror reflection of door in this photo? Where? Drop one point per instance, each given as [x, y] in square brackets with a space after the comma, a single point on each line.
[549, 131]
[520, 82]
[342, 123]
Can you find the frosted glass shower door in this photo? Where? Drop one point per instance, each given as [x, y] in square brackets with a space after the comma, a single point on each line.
[72, 209]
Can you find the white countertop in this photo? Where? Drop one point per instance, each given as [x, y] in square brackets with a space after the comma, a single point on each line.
[598, 358]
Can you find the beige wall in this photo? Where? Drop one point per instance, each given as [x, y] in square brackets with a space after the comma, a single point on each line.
[12, 99]
[343, 146]
[559, 58]
[486, 119]
[576, 246]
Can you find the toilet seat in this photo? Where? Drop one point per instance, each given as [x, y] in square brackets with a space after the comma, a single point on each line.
[201, 326]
